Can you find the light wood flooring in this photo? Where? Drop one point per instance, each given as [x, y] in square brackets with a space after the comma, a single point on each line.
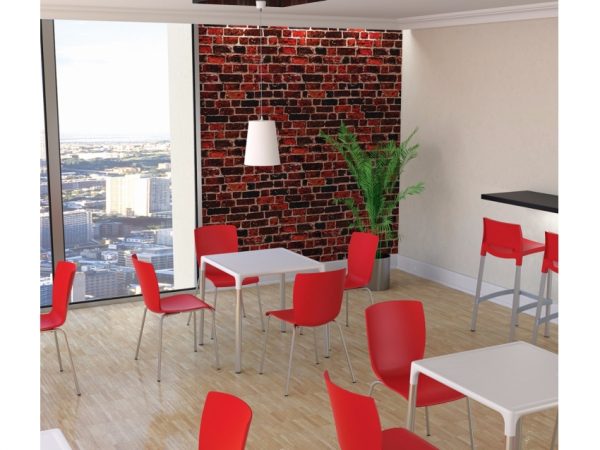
[123, 407]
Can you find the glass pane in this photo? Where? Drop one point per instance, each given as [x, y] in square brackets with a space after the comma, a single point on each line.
[116, 154]
[45, 242]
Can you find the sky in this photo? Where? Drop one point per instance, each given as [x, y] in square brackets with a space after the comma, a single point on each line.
[112, 79]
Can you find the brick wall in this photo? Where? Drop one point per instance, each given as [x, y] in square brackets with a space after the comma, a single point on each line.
[312, 80]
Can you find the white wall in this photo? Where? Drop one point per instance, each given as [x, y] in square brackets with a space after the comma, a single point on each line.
[485, 99]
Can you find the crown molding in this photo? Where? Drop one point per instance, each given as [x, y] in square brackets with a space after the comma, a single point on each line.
[208, 16]
[490, 15]
[202, 15]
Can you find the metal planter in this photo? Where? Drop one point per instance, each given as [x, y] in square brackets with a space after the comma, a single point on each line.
[380, 277]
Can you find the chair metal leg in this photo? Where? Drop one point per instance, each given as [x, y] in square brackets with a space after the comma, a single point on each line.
[477, 293]
[346, 351]
[212, 336]
[347, 309]
[471, 436]
[287, 382]
[214, 331]
[137, 350]
[370, 294]
[264, 352]
[58, 351]
[549, 296]
[427, 430]
[160, 332]
[71, 360]
[372, 386]
[201, 327]
[195, 333]
[189, 319]
[538, 309]
[316, 350]
[515, 304]
[260, 312]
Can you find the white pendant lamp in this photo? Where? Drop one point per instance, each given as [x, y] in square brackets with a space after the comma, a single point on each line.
[262, 148]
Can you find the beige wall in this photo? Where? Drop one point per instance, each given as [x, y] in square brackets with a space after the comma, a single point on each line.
[485, 99]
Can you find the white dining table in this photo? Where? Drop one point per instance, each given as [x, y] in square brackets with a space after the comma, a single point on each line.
[241, 265]
[53, 439]
[514, 379]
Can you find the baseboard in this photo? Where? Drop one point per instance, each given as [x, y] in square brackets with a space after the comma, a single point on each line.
[455, 280]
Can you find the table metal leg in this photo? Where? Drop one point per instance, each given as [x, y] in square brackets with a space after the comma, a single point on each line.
[282, 299]
[238, 330]
[202, 292]
[412, 406]
[510, 442]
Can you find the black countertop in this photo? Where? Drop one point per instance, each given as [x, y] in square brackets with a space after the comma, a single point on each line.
[527, 199]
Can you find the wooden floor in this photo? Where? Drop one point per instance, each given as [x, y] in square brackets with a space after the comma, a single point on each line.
[123, 407]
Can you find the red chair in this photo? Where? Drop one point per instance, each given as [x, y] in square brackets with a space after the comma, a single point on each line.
[361, 257]
[505, 240]
[225, 422]
[317, 301]
[53, 320]
[396, 338]
[549, 265]
[166, 306]
[358, 426]
[214, 239]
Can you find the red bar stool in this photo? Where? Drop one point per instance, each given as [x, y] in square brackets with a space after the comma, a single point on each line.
[505, 240]
[549, 265]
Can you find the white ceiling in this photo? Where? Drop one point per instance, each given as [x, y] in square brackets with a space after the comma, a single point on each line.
[396, 13]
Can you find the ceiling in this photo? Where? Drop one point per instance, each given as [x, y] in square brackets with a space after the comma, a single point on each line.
[367, 13]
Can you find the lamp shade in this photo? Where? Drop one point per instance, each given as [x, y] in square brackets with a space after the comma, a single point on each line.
[262, 148]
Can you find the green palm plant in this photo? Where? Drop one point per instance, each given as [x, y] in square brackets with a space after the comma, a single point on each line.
[376, 173]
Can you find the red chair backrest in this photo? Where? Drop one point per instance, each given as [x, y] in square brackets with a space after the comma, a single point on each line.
[214, 239]
[502, 239]
[551, 253]
[225, 422]
[395, 336]
[318, 297]
[148, 283]
[62, 284]
[356, 418]
[361, 255]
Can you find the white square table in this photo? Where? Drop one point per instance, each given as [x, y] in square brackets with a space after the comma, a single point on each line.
[254, 263]
[53, 439]
[514, 379]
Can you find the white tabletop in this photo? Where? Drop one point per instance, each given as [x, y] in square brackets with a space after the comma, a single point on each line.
[261, 262]
[514, 379]
[53, 439]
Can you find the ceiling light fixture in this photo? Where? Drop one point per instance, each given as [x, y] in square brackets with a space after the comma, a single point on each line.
[262, 148]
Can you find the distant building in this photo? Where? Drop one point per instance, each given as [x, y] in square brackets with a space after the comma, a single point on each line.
[161, 258]
[165, 237]
[104, 283]
[77, 228]
[133, 195]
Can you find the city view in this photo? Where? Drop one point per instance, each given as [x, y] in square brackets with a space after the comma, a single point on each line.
[112, 89]
[116, 201]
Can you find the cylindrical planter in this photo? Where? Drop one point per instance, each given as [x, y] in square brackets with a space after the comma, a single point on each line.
[380, 278]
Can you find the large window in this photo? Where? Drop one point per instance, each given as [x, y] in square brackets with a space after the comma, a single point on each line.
[125, 112]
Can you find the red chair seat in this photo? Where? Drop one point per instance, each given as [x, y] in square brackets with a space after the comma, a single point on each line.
[182, 303]
[287, 315]
[530, 247]
[429, 391]
[352, 282]
[222, 280]
[400, 438]
[50, 321]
